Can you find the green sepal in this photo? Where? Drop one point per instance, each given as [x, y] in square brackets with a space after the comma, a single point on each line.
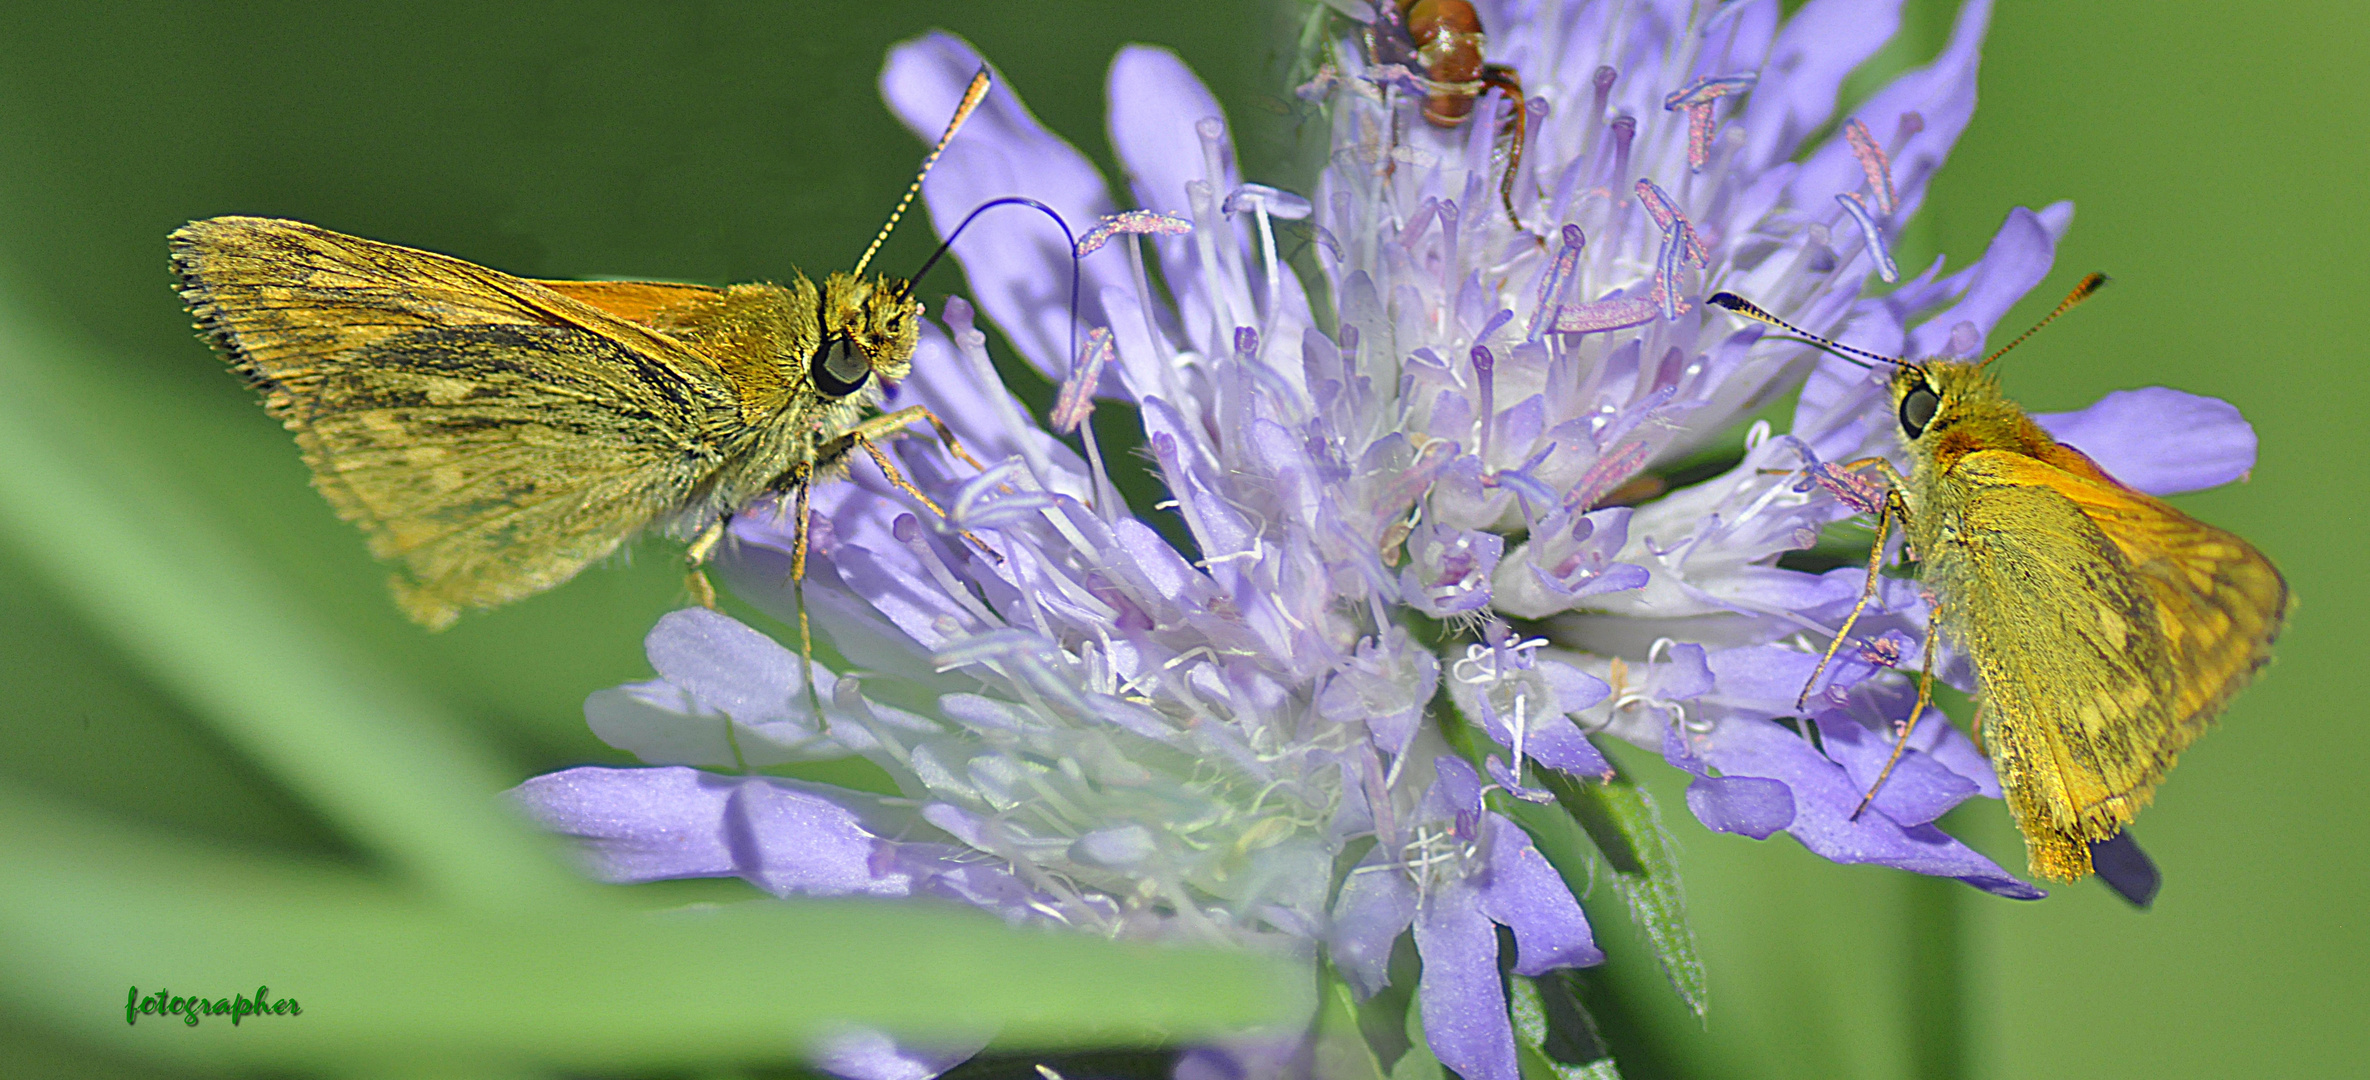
[1554, 1032]
[1342, 1050]
[1418, 1063]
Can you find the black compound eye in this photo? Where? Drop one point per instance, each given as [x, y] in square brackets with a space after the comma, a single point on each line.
[839, 367]
[1917, 410]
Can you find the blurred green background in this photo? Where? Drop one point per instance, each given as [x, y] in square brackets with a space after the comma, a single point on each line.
[2214, 154]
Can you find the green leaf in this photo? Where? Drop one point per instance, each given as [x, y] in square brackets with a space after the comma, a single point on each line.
[1342, 1052]
[1621, 819]
[145, 564]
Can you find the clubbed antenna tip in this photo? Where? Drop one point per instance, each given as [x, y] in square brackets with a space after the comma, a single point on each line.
[1840, 351]
[2089, 286]
[971, 99]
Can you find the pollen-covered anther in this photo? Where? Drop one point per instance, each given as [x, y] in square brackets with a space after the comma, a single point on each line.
[1567, 260]
[1076, 400]
[1873, 162]
[1695, 99]
[1863, 493]
[1598, 316]
[1131, 223]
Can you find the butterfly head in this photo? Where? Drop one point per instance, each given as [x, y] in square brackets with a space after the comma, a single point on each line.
[869, 330]
[1933, 396]
[870, 327]
[1949, 408]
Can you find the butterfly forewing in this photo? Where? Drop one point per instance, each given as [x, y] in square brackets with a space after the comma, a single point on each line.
[2220, 602]
[649, 303]
[491, 433]
[2109, 629]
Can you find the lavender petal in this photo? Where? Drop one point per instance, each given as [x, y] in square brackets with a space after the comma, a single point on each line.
[1525, 894]
[1376, 904]
[1818, 48]
[2159, 440]
[1464, 1006]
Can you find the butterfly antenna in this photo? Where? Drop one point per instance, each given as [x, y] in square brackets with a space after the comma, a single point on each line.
[971, 99]
[1753, 311]
[2089, 285]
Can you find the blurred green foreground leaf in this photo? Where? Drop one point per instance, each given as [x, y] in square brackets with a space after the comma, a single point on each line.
[88, 911]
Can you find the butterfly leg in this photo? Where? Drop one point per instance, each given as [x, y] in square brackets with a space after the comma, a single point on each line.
[695, 559]
[897, 479]
[1884, 522]
[879, 427]
[1886, 505]
[1925, 697]
[801, 478]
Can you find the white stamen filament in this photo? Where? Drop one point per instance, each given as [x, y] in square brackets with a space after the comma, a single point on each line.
[1267, 254]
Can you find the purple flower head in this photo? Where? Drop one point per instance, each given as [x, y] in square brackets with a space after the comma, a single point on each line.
[1219, 718]
[1673, 164]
